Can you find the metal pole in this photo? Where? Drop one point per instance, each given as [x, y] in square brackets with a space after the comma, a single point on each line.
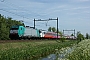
[57, 27]
[34, 23]
[63, 32]
[74, 33]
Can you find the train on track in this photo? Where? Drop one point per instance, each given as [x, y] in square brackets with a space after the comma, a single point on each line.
[21, 32]
[27, 32]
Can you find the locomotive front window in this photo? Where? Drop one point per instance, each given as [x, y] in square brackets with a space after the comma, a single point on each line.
[14, 29]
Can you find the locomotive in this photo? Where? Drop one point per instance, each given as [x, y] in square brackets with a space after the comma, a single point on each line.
[21, 32]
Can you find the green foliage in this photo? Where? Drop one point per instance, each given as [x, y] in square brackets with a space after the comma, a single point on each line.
[30, 50]
[53, 29]
[5, 24]
[87, 36]
[60, 33]
[62, 39]
[4, 32]
[81, 51]
[72, 35]
[49, 29]
[80, 36]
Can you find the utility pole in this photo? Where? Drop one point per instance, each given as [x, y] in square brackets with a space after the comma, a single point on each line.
[74, 33]
[34, 23]
[57, 27]
[48, 20]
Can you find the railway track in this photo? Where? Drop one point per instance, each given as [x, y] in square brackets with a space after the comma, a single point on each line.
[31, 40]
[13, 41]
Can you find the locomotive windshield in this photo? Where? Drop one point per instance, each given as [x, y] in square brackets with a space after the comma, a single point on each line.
[14, 29]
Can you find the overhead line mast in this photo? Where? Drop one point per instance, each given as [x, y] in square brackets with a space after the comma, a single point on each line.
[69, 30]
[48, 20]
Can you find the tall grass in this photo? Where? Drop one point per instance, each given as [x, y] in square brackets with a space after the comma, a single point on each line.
[30, 50]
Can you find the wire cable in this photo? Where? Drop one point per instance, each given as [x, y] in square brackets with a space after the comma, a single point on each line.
[15, 14]
[2, 0]
[18, 7]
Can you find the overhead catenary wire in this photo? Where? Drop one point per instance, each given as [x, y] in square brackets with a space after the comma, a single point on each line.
[2, 0]
[18, 7]
[17, 15]
[14, 13]
[12, 5]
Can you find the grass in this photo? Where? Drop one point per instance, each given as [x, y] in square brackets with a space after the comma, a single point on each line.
[30, 50]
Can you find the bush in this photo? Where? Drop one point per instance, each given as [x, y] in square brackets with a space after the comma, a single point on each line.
[81, 52]
[62, 39]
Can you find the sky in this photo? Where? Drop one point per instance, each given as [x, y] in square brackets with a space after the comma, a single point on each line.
[72, 14]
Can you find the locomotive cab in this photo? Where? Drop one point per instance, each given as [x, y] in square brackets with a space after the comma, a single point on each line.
[16, 32]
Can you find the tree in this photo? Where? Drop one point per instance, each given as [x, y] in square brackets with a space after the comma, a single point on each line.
[60, 33]
[49, 29]
[4, 32]
[87, 36]
[80, 36]
[5, 24]
[72, 35]
[53, 29]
